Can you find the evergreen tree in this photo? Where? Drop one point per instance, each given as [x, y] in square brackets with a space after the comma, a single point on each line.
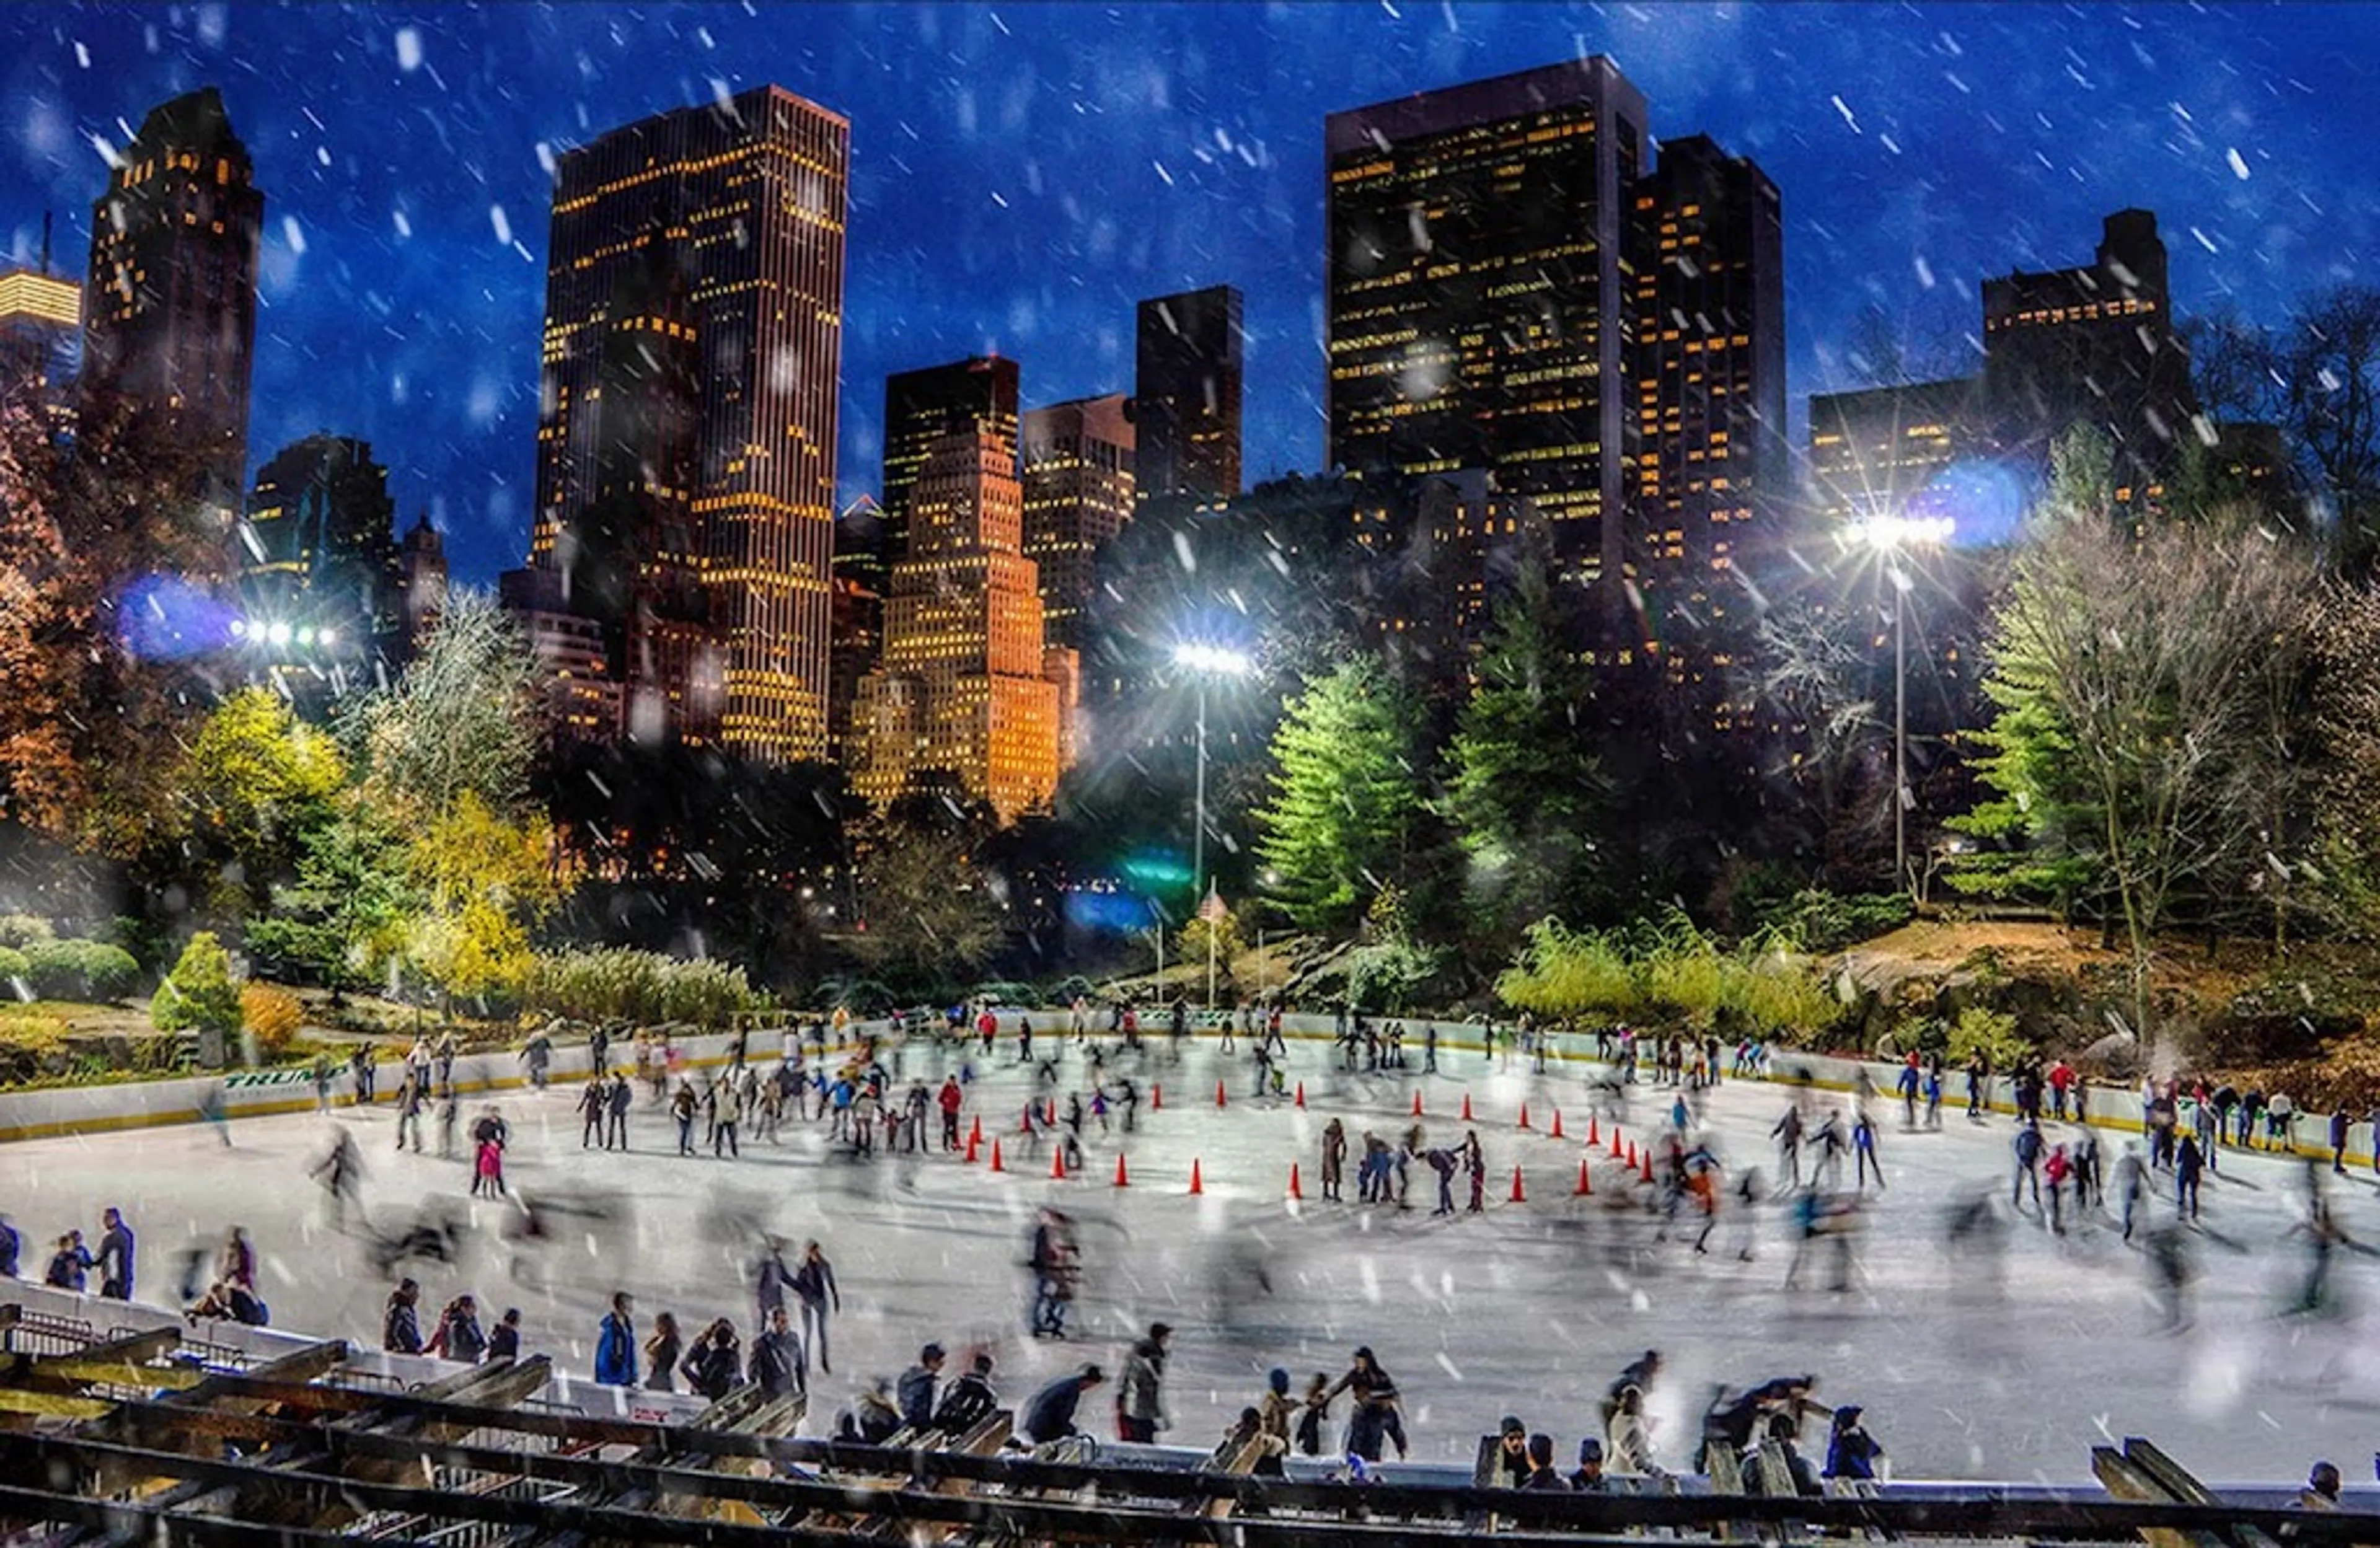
[1524, 793]
[1346, 808]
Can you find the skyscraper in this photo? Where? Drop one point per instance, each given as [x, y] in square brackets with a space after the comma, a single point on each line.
[1709, 387]
[1186, 390]
[170, 313]
[1077, 463]
[724, 222]
[922, 406]
[319, 577]
[965, 697]
[421, 581]
[2092, 344]
[1479, 310]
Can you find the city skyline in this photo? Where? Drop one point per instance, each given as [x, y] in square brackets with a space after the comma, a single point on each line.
[2217, 123]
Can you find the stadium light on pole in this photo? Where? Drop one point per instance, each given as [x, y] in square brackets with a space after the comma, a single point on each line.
[1891, 535]
[1206, 662]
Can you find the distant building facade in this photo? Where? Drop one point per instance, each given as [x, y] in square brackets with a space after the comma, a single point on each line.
[1188, 380]
[1078, 463]
[695, 271]
[1714, 464]
[923, 406]
[41, 337]
[965, 698]
[170, 312]
[2092, 344]
[1478, 306]
[422, 582]
[320, 580]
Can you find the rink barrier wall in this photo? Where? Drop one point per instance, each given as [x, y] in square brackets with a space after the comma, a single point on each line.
[98, 1110]
[225, 1343]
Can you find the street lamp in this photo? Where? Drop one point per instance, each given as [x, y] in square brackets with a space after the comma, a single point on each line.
[1205, 662]
[1890, 537]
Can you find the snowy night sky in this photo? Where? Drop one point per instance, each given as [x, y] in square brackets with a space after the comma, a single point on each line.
[1023, 173]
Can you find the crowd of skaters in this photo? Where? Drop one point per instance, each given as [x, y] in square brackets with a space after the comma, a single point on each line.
[828, 1073]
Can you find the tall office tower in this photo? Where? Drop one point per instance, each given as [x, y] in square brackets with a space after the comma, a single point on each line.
[1186, 390]
[1478, 293]
[963, 700]
[741, 203]
[170, 321]
[1709, 386]
[1078, 463]
[921, 407]
[422, 582]
[2092, 344]
[321, 580]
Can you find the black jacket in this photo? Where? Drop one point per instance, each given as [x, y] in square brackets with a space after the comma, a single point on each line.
[968, 1403]
[1051, 1414]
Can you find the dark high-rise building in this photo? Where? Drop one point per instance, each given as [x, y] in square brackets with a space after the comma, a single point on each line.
[1186, 392]
[421, 581]
[2092, 344]
[319, 579]
[1479, 301]
[724, 222]
[1713, 464]
[1889, 452]
[170, 312]
[921, 408]
[858, 614]
[1076, 465]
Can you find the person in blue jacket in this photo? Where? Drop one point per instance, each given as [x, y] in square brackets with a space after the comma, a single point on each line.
[616, 1344]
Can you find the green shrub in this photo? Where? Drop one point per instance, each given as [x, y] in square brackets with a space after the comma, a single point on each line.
[86, 970]
[14, 969]
[198, 993]
[299, 950]
[19, 930]
[1991, 1032]
[1820, 921]
[617, 983]
[148, 942]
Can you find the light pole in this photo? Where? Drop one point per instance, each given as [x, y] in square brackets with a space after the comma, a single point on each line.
[1204, 662]
[1891, 536]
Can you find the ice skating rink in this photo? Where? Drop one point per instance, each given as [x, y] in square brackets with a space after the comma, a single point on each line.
[1972, 1362]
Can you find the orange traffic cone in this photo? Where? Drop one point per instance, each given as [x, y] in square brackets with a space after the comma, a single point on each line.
[1586, 1183]
[1631, 1155]
[1615, 1142]
[1295, 1190]
[1048, 1109]
[1058, 1164]
[1155, 1096]
[1555, 1133]
[1219, 1094]
[1466, 1107]
[973, 1143]
[1520, 1194]
[1198, 1182]
[1524, 1115]
[1417, 1109]
[995, 1155]
[975, 1134]
[1648, 1173]
[1120, 1182]
[1301, 1096]
[1591, 1137]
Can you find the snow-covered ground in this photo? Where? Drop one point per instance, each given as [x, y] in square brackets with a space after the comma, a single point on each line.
[1528, 1310]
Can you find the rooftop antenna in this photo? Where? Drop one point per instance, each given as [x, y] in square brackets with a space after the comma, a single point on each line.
[45, 244]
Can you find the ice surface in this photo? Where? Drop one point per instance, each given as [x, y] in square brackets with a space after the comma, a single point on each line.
[1529, 1310]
